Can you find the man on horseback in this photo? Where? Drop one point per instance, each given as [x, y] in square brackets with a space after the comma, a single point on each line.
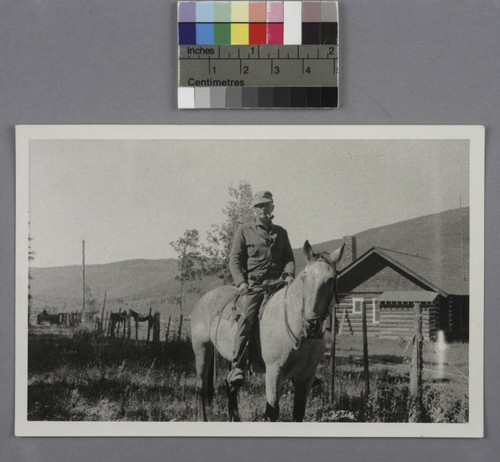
[261, 253]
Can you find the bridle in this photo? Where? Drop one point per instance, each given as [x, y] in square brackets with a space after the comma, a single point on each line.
[311, 328]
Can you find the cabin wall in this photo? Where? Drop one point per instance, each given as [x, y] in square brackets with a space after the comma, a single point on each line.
[349, 322]
[390, 320]
[398, 320]
[454, 317]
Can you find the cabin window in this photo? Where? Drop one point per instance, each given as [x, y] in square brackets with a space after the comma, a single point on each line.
[375, 312]
[357, 305]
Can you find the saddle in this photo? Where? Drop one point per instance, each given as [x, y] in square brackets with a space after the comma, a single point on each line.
[232, 310]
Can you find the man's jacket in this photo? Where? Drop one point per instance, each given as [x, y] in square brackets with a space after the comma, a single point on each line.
[259, 253]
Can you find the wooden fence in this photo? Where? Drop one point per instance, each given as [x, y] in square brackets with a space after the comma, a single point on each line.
[415, 386]
[67, 319]
[128, 324]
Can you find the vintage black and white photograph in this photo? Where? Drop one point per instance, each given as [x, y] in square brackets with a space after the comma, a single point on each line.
[271, 281]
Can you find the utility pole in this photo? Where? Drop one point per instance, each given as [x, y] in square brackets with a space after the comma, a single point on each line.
[83, 274]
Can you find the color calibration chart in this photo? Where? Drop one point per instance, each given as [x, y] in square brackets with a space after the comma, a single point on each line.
[257, 54]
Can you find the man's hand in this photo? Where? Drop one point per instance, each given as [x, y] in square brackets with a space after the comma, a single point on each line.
[288, 279]
[243, 288]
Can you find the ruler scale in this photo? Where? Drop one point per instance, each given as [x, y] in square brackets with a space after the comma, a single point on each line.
[257, 54]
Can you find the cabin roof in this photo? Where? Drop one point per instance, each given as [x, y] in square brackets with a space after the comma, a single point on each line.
[431, 271]
[408, 296]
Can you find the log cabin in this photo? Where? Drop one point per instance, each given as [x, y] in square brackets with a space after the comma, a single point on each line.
[389, 283]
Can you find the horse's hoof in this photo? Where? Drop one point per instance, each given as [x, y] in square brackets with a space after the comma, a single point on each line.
[236, 378]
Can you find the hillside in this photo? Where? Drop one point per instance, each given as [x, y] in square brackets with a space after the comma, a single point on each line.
[442, 235]
[140, 284]
[134, 282]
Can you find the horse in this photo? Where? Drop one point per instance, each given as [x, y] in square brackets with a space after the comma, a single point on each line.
[44, 316]
[291, 329]
[115, 319]
[139, 317]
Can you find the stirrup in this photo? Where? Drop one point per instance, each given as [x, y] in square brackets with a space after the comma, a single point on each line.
[236, 377]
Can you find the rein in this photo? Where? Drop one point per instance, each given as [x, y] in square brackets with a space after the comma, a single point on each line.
[304, 334]
[296, 342]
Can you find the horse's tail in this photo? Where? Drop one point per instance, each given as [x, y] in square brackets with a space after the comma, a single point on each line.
[211, 377]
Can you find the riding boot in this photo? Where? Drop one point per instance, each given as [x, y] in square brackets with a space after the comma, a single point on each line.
[250, 308]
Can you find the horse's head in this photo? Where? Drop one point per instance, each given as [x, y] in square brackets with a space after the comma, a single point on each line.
[319, 280]
[41, 317]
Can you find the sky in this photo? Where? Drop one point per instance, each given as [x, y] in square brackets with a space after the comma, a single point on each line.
[129, 199]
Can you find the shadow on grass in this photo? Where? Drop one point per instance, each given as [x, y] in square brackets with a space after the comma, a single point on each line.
[45, 352]
[90, 378]
[373, 359]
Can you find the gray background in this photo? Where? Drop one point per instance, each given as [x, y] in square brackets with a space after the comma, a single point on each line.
[114, 61]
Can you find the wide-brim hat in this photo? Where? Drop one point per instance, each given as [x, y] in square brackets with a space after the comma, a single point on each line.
[262, 197]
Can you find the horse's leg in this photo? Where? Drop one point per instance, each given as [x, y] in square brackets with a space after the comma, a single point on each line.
[204, 356]
[300, 398]
[273, 385]
[232, 403]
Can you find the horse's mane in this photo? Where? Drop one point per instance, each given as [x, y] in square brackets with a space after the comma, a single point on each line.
[321, 256]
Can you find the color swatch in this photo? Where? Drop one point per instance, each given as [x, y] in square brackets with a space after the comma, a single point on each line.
[257, 23]
[257, 54]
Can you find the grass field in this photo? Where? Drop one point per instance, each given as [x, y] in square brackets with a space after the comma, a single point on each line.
[86, 377]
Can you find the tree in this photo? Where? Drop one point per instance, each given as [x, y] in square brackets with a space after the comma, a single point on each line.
[190, 260]
[220, 238]
[90, 300]
[31, 257]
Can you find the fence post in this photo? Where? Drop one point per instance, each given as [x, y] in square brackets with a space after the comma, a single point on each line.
[168, 328]
[102, 312]
[150, 324]
[365, 351]
[180, 328]
[124, 322]
[129, 328]
[156, 330]
[115, 324]
[106, 323]
[415, 407]
[331, 391]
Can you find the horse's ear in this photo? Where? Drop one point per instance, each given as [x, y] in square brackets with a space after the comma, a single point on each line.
[308, 251]
[336, 255]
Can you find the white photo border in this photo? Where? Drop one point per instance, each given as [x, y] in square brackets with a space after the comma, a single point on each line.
[475, 134]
